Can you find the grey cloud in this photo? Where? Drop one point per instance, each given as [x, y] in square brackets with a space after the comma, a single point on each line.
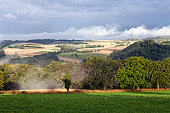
[94, 32]
[36, 16]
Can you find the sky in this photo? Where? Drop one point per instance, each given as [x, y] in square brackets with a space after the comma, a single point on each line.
[83, 19]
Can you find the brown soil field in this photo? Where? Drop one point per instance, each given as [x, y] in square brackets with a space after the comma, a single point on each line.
[103, 52]
[68, 59]
[48, 91]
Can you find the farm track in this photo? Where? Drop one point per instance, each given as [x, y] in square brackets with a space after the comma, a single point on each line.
[49, 91]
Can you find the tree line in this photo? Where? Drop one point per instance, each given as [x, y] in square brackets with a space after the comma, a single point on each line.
[95, 73]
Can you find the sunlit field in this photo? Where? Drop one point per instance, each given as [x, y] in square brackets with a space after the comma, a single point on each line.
[117, 102]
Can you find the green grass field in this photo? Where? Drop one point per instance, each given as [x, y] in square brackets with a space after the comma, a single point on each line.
[117, 102]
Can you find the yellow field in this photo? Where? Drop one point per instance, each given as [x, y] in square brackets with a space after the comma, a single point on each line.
[29, 52]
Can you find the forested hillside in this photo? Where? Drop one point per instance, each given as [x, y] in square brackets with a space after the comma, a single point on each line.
[37, 60]
[148, 49]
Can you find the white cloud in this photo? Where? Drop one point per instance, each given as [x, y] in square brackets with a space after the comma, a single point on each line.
[10, 16]
[95, 33]
[142, 31]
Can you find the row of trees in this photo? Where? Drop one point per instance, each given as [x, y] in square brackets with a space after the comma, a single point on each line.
[24, 46]
[24, 76]
[95, 73]
[131, 73]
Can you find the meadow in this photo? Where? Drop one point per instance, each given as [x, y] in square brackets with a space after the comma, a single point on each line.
[117, 102]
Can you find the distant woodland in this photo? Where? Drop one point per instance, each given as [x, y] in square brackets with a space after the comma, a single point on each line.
[148, 49]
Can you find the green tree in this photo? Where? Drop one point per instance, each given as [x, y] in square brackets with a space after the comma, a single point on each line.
[134, 73]
[102, 72]
[166, 72]
[160, 73]
[156, 72]
[1, 80]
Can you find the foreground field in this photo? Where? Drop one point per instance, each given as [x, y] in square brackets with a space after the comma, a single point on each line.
[146, 101]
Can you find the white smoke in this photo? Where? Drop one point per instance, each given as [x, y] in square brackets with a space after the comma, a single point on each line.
[95, 33]
[33, 79]
[5, 60]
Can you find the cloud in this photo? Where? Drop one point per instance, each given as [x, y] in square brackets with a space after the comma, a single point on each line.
[142, 31]
[84, 19]
[94, 33]
[31, 16]
[10, 16]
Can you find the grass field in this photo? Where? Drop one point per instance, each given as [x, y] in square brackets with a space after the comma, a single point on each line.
[117, 102]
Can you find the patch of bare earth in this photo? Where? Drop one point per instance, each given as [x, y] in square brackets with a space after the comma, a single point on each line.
[68, 59]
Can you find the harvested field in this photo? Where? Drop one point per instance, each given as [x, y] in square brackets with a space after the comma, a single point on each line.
[29, 52]
[103, 52]
[68, 59]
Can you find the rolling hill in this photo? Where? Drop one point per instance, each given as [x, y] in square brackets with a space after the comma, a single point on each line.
[148, 49]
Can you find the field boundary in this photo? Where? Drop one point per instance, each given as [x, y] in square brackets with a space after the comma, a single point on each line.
[56, 91]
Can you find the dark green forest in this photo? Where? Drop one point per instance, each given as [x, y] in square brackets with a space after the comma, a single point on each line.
[148, 49]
